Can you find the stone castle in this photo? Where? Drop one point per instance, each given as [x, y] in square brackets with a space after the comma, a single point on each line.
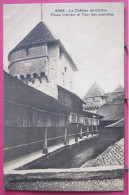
[41, 61]
[96, 97]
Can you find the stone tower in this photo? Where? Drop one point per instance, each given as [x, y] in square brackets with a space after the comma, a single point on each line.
[41, 61]
[94, 98]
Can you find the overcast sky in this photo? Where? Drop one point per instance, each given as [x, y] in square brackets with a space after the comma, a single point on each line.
[96, 43]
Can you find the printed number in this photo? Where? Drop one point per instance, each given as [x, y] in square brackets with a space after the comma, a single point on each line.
[59, 10]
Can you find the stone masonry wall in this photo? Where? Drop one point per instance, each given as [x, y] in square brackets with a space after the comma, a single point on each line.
[65, 72]
[29, 61]
[31, 52]
[53, 53]
[36, 60]
[30, 66]
[49, 86]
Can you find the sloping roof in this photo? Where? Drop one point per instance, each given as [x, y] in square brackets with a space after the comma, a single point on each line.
[19, 92]
[111, 112]
[38, 35]
[92, 115]
[94, 91]
[107, 158]
[119, 123]
[119, 88]
[73, 95]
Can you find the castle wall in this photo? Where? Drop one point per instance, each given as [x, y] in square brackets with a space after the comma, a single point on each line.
[29, 61]
[45, 86]
[30, 66]
[27, 53]
[48, 59]
[65, 73]
[116, 97]
[94, 99]
[93, 103]
[53, 53]
[41, 59]
[49, 85]
[111, 134]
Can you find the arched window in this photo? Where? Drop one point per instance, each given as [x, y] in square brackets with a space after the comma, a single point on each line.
[28, 76]
[35, 75]
[42, 74]
[22, 77]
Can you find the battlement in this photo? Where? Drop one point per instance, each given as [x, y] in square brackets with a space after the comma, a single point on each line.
[31, 78]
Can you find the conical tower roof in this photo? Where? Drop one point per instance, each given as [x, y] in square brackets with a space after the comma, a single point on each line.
[39, 34]
[94, 91]
[119, 88]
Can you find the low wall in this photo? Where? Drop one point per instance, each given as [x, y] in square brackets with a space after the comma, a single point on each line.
[19, 141]
[105, 172]
[111, 135]
[71, 156]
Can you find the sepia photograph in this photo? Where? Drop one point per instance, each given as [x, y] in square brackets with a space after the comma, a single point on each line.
[63, 97]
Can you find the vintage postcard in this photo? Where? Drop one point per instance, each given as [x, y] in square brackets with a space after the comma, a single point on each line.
[64, 97]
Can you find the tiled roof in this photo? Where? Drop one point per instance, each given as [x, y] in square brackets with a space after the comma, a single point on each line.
[111, 111]
[94, 91]
[113, 155]
[119, 123]
[73, 95]
[119, 88]
[39, 34]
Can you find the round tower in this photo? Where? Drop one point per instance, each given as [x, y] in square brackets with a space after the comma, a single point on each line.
[32, 60]
[41, 61]
[29, 59]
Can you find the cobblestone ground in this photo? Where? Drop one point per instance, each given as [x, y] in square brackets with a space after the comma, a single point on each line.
[113, 155]
[94, 185]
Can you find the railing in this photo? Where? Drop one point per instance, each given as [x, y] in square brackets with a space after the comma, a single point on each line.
[77, 133]
[75, 118]
[52, 128]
